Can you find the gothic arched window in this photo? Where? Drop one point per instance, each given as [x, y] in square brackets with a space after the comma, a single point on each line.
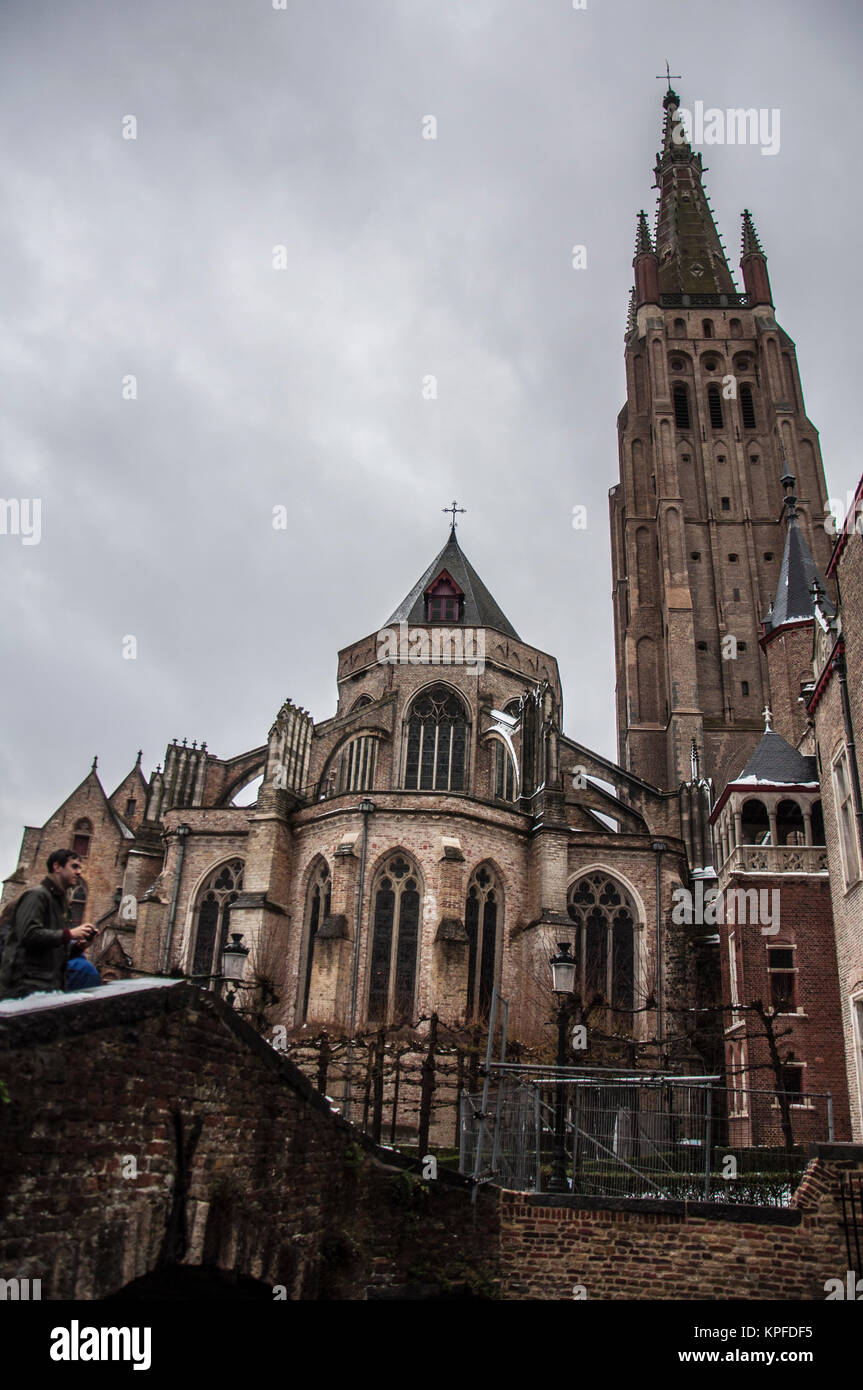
[714, 405]
[212, 914]
[77, 903]
[483, 921]
[317, 908]
[681, 406]
[395, 938]
[504, 772]
[604, 916]
[357, 771]
[82, 835]
[436, 753]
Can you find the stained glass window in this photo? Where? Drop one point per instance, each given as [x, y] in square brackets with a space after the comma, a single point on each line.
[436, 755]
[605, 941]
[212, 916]
[395, 941]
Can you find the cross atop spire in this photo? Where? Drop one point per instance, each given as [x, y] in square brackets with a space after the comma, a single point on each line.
[454, 508]
[668, 74]
[768, 719]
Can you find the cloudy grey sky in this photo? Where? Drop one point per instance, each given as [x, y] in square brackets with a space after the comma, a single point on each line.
[302, 127]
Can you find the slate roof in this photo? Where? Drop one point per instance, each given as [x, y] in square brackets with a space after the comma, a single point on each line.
[480, 609]
[776, 761]
[794, 602]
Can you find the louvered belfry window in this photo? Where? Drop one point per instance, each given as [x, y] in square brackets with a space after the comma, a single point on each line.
[681, 407]
[436, 754]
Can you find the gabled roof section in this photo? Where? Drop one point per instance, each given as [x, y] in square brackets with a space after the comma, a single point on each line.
[775, 762]
[480, 609]
[92, 779]
[133, 779]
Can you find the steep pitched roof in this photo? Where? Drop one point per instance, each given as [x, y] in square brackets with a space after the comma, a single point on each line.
[480, 609]
[794, 602]
[775, 761]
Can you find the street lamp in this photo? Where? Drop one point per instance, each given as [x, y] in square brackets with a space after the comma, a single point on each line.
[233, 966]
[563, 969]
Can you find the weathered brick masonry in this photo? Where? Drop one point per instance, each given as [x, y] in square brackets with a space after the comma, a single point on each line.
[243, 1167]
[645, 1249]
[271, 1184]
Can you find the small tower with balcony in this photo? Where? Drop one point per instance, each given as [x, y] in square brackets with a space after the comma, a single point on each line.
[775, 926]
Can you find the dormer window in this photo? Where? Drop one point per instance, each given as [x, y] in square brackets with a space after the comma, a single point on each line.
[444, 600]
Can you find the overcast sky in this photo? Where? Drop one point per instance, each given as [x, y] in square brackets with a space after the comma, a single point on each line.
[302, 127]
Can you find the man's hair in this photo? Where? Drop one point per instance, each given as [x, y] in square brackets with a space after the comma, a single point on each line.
[60, 856]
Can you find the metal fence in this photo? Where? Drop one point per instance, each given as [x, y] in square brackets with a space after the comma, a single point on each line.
[639, 1135]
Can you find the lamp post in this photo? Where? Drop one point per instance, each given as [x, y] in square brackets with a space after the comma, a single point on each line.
[233, 966]
[563, 969]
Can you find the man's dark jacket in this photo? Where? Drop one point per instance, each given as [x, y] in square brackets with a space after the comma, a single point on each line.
[37, 946]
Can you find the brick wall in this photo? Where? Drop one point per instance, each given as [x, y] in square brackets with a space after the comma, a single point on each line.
[147, 1123]
[678, 1250]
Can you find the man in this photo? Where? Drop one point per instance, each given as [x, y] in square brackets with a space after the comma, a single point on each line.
[39, 938]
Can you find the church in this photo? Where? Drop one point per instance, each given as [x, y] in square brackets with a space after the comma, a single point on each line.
[438, 836]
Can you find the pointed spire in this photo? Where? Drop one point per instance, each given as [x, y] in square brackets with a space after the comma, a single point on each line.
[643, 239]
[753, 263]
[794, 601]
[750, 246]
[646, 264]
[690, 253]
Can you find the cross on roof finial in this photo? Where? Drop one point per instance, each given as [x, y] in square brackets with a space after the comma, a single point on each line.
[454, 508]
[768, 719]
[668, 74]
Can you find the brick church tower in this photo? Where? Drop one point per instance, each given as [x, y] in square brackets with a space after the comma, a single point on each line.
[714, 417]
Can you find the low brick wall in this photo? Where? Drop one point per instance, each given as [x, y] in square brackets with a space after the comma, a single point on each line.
[149, 1126]
[627, 1249]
